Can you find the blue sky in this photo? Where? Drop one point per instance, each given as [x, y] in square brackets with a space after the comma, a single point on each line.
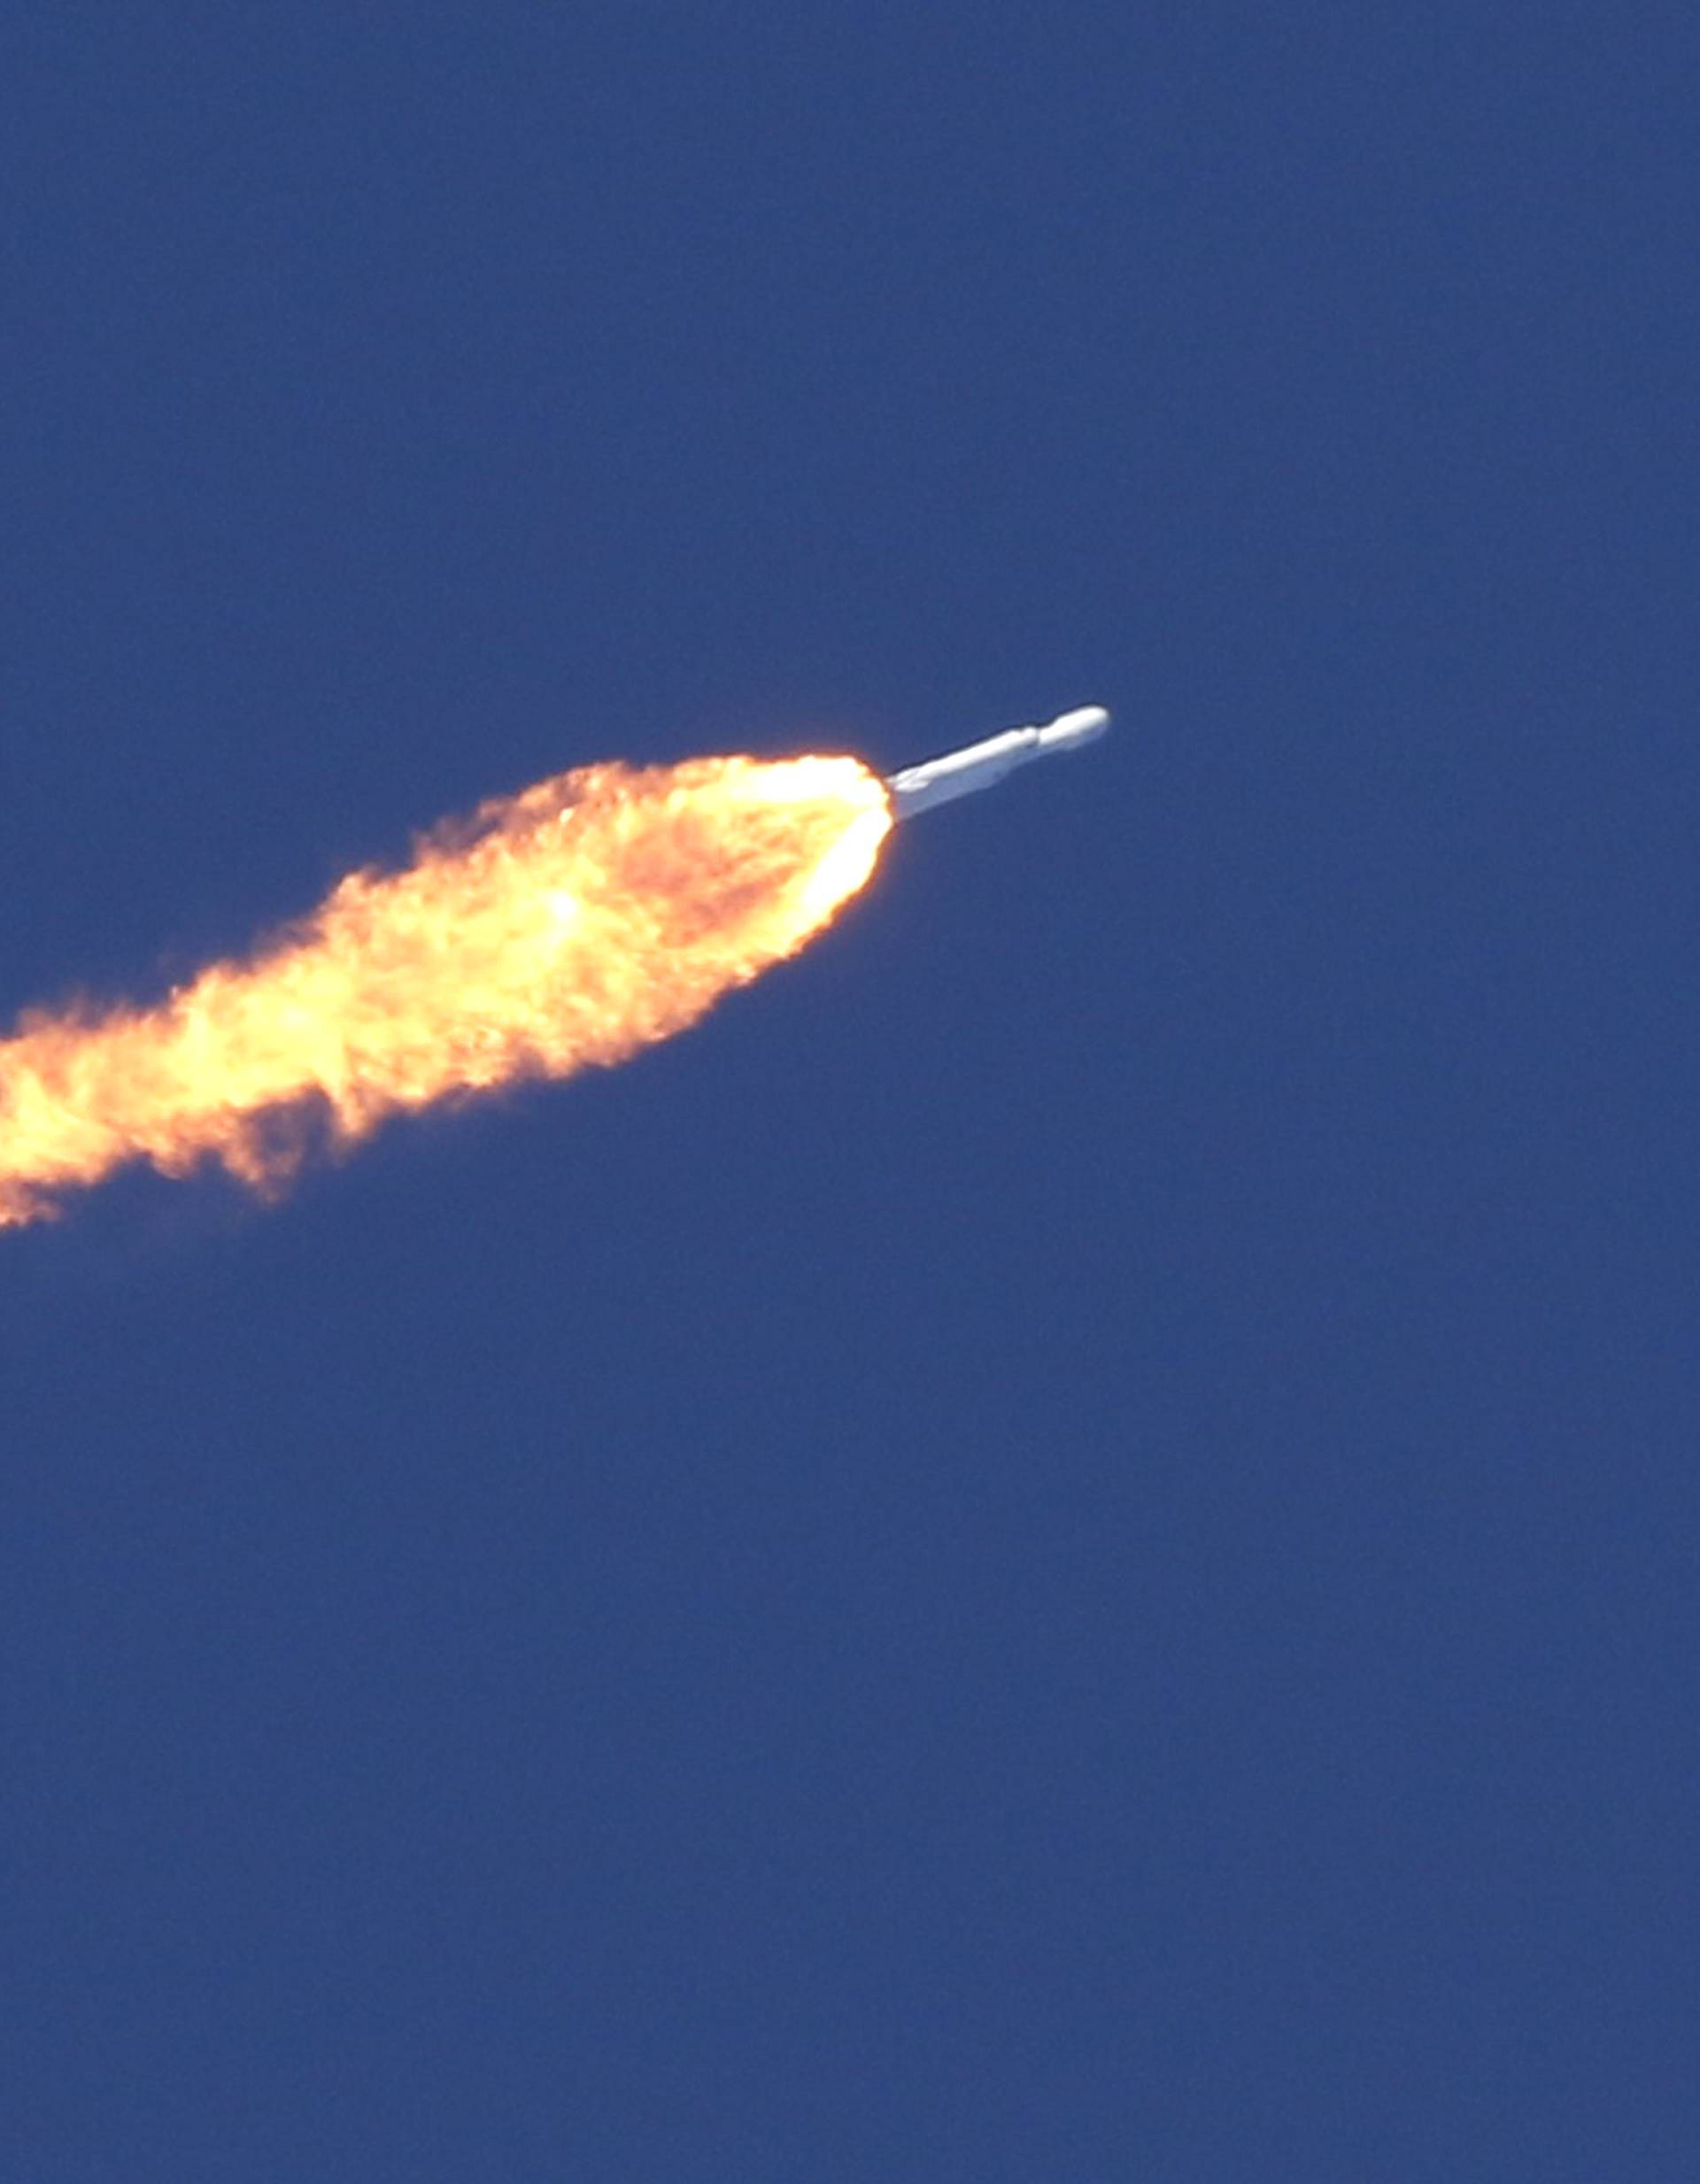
[1063, 1545]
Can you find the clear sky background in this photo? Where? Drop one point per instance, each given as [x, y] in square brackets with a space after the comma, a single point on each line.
[1064, 1546]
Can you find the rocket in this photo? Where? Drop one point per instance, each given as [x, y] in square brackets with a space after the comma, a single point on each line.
[977, 765]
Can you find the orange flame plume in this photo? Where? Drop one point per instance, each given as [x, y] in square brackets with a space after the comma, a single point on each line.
[570, 924]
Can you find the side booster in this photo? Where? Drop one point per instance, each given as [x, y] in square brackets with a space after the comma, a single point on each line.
[978, 765]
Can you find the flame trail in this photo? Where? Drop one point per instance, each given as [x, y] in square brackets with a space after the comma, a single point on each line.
[570, 924]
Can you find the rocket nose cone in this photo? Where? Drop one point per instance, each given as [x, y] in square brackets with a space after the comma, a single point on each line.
[1068, 730]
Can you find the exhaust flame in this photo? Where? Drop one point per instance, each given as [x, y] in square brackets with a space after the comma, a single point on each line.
[570, 924]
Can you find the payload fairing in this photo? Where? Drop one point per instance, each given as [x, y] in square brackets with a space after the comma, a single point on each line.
[978, 765]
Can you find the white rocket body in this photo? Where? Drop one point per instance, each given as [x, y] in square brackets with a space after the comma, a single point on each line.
[960, 773]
